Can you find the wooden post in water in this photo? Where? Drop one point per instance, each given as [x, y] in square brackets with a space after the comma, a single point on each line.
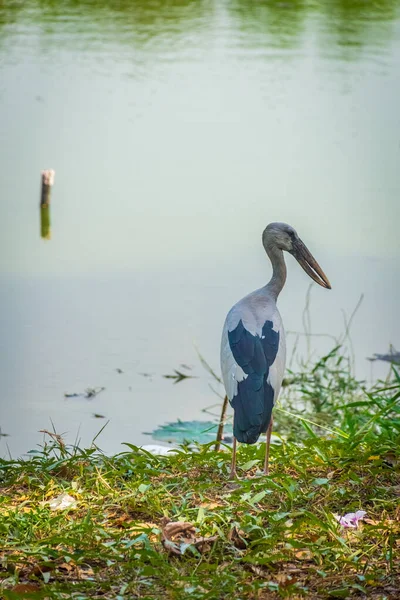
[47, 182]
[220, 431]
[45, 196]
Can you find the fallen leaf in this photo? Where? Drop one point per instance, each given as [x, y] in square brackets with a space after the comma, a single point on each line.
[236, 536]
[67, 566]
[173, 528]
[390, 459]
[211, 505]
[304, 555]
[259, 571]
[54, 436]
[25, 589]
[184, 535]
[38, 570]
[85, 572]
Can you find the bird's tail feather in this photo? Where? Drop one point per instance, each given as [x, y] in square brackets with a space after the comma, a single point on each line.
[247, 437]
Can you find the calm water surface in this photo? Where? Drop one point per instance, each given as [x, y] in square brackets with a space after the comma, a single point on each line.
[178, 130]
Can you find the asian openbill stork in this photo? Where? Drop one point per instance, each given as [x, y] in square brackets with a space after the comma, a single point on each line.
[253, 350]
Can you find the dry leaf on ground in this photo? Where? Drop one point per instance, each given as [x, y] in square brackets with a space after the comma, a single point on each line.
[178, 536]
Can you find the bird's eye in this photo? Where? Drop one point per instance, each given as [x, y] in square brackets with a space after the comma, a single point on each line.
[291, 233]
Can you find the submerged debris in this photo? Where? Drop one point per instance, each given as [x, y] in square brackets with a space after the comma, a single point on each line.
[92, 392]
[88, 393]
[178, 376]
[148, 375]
[393, 357]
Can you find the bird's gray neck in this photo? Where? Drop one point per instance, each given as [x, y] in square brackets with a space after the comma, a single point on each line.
[278, 278]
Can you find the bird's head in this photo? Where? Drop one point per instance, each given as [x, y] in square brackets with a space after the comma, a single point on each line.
[284, 237]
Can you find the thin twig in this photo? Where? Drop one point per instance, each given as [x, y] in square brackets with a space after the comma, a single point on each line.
[300, 418]
[328, 335]
[347, 326]
[306, 318]
[292, 357]
[349, 322]
[220, 431]
[207, 366]
[215, 392]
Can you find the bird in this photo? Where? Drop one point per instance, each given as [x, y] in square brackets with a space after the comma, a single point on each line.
[253, 348]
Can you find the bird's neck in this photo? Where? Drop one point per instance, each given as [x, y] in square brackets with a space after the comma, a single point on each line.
[278, 278]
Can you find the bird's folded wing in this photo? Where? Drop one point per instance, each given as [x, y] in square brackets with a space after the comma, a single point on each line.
[246, 360]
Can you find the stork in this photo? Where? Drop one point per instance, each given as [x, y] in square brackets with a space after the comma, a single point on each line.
[253, 349]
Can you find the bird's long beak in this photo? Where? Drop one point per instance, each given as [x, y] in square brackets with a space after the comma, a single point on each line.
[309, 264]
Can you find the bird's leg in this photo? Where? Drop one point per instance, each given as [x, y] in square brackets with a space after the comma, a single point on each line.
[233, 474]
[268, 441]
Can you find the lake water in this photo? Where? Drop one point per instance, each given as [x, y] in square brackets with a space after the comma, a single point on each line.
[178, 129]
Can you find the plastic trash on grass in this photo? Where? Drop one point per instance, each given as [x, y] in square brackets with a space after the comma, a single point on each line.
[351, 519]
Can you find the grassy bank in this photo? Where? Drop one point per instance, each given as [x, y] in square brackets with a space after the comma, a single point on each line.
[261, 538]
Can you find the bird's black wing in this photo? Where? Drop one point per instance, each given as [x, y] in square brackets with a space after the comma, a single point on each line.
[254, 400]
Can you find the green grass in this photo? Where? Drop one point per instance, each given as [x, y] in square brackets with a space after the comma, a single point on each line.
[275, 537]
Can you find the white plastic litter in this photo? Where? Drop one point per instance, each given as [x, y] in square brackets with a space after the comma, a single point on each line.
[351, 519]
[157, 449]
[62, 502]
